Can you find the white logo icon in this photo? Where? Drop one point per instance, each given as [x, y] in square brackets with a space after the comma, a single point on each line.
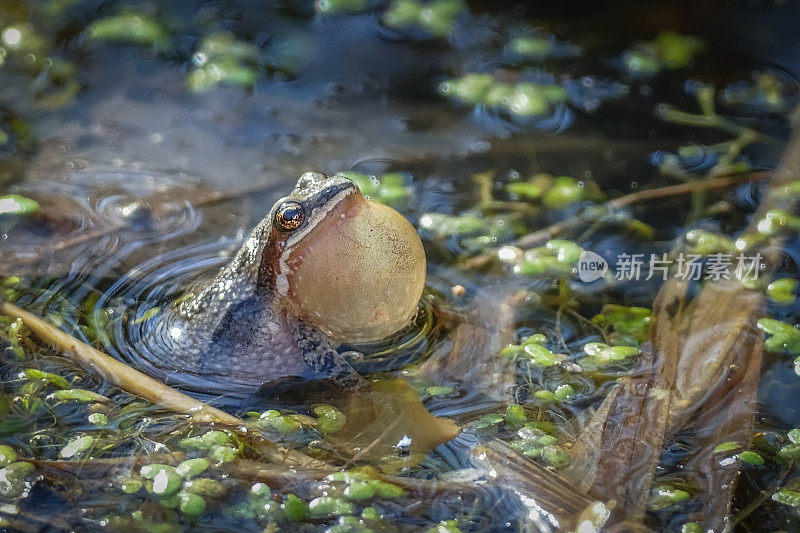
[591, 266]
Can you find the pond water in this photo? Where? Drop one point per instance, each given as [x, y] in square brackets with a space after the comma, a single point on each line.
[140, 143]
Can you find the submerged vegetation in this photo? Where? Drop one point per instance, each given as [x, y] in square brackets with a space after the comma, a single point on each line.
[535, 373]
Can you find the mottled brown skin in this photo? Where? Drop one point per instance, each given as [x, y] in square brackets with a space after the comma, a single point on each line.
[351, 270]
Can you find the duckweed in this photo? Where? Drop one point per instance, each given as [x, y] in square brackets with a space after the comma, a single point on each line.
[131, 485]
[630, 324]
[669, 50]
[531, 46]
[332, 7]
[7, 455]
[564, 191]
[132, 27]
[17, 471]
[727, 447]
[77, 446]
[390, 189]
[330, 419]
[663, 496]
[349, 524]
[564, 392]
[537, 444]
[487, 421]
[47, 377]
[751, 458]
[359, 490]
[223, 454]
[782, 291]
[778, 220]
[205, 487]
[604, 354]
[524, 99]
[192, 467]
[222, 59]
[14, 204]
[329, 506]
[294, 508]
[447, 225]
[707, 243]
[445, 526]
[78, 395]
[98, 419]
[190, 503]
[691, 527]
[12, 479]
[532, 350]
[515, 416]
[206, 441]
[437, 17]
[273, 420]
[166, 480]
[260, 492]
[787, 497]
[439, 390]
[557, 257]
[386, 490]
[531, 189]
[780, 336]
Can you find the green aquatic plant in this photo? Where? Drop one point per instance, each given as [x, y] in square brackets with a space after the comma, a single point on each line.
[437, 17]
[515, 416]
[532, 349]
[706, 243]
[77, 446]
[669, 50]
[26, 48]
[537, 444]
[558, 257]
[274, 421]
[763, 89]
[630, 325]
[448, 225]
[474, 231]
[7, 455]
[390, 188]
[599, 354]
[780, 336]
[553, 192]
[525, 99]
[778, 220]
[77, 395]
[178, 487]
[445, 526]
[667, 495]
[782, 291]
[14, 204]
[531, 46]
[14, 479]
[133, 27]
[330, 418]
[223, 59]
[334, 7]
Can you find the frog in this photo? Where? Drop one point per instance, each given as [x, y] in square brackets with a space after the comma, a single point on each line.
[326, 266]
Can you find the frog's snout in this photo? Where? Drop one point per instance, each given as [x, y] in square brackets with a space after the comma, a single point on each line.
[361, 276]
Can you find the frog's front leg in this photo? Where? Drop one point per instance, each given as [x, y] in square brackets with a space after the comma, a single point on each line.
[323, 359]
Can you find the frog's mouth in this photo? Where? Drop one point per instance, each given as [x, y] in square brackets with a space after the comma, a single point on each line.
[335, 199]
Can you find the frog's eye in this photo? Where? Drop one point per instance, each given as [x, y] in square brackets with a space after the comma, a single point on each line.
[289, 216]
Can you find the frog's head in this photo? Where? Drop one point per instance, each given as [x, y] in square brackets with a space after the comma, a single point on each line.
[349, 266]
